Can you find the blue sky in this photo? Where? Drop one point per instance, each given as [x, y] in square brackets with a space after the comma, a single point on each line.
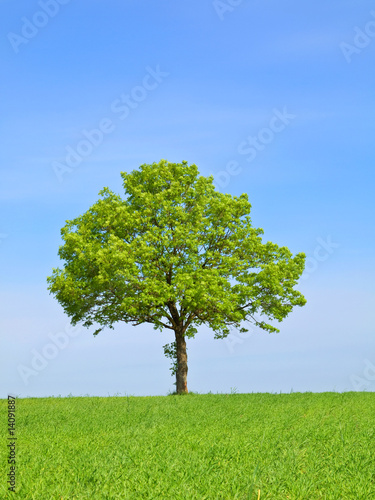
[275, 99]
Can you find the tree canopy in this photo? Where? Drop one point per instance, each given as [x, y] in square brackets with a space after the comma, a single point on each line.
[175, 253]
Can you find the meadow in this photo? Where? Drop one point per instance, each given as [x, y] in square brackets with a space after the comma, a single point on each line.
[309, 446]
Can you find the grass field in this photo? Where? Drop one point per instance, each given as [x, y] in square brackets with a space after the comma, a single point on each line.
[237, 446]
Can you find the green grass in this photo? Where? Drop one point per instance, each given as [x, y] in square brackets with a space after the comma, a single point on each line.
[287, 446]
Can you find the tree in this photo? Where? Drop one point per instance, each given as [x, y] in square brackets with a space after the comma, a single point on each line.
[177, 254]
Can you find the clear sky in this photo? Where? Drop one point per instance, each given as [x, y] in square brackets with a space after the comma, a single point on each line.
[275, 99]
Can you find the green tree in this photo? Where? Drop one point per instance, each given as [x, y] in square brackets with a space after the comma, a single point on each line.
[177, 254]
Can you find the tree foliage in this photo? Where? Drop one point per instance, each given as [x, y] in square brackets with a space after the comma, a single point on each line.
[174, 253]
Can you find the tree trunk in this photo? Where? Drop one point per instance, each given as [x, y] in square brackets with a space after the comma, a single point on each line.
[182, 367]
